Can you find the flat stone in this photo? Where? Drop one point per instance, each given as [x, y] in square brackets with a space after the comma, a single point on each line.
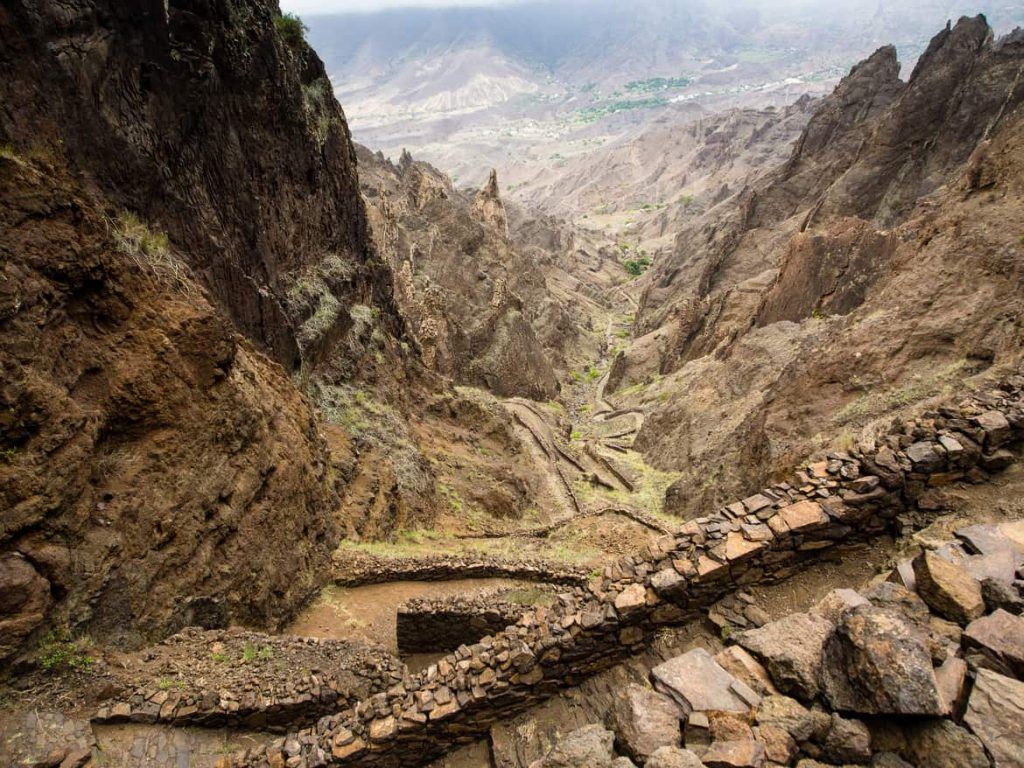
[697, 683]
[988, 540]
[734, 754]
[756, 503]
[740, 664]
[631, 598]
[353, 747]
[645, 720]
[791, 649]
[941, 743]
[779, 746]
[738, 548]
[802, 517]
[995, 712]
[878, 664]
[999, 637]
[948, 588]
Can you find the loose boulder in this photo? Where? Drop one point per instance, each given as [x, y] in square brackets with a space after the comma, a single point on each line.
[791, 649]
[645, 720]
[996, 641]
[697, 683]
[944, 744]
[877, 664]
[587, 747]
[948, 588]
[673, 757]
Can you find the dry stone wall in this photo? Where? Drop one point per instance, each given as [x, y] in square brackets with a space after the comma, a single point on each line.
[248, 679]
[362, 568]
[891, 483]
[430, 625]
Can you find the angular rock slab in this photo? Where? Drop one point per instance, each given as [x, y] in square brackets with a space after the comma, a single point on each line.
[949, 589]
[995, 712]
[645, 721]
[791, 649]
[697, 683]
[877, 664]
[999, 637]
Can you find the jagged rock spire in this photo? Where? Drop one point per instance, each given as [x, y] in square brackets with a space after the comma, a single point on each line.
[487, 205]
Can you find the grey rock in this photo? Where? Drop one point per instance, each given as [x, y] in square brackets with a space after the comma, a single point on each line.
[1001, 595]
[587, 747]
[837, 602]
[793, 717]
[847, 741]
[791, 649]
[999, 639]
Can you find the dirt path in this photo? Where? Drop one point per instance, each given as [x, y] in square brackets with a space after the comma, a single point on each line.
[368, 613]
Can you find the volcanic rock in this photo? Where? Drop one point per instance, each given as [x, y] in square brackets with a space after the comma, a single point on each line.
[791, 649]
[876, 663]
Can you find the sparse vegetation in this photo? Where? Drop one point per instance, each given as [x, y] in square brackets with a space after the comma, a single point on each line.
[251, 653]
[657, 84]
[167, 683]
[291, 28]
[150, 251]
[598, 111]
[636, 267]
[7, 455]
[60, 653]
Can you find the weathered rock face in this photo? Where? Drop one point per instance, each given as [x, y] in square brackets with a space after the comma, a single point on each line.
[791, 649]
[154, 455]
[459, 281]
[851, 230]
[24, 602]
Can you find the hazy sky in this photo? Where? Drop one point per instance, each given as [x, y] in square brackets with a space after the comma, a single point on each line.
[331, 6]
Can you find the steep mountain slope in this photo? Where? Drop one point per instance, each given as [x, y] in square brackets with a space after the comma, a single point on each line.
[485, 310]
[879, 264]
[204, 119]
[168, 171]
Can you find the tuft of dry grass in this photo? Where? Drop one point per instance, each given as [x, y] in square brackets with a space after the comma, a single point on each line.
[150, 251]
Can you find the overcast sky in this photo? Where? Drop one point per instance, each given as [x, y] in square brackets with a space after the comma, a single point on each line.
[332, 6]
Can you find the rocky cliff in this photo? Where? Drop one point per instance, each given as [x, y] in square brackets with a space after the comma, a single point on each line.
[878, 264]
[183, 231]
[485, 309]
[205, 118]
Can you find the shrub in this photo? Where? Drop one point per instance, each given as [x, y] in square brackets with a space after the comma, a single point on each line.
[291, 28]
[59, 653]
[636, 267]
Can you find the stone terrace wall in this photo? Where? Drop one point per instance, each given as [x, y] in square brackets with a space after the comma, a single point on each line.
[248, 679]
[763, 538]
[429, 625]
[361, 568]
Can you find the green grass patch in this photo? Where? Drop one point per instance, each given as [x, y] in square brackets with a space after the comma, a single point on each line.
[657, 84]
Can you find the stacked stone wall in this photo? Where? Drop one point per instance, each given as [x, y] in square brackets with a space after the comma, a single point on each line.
[888, 485]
